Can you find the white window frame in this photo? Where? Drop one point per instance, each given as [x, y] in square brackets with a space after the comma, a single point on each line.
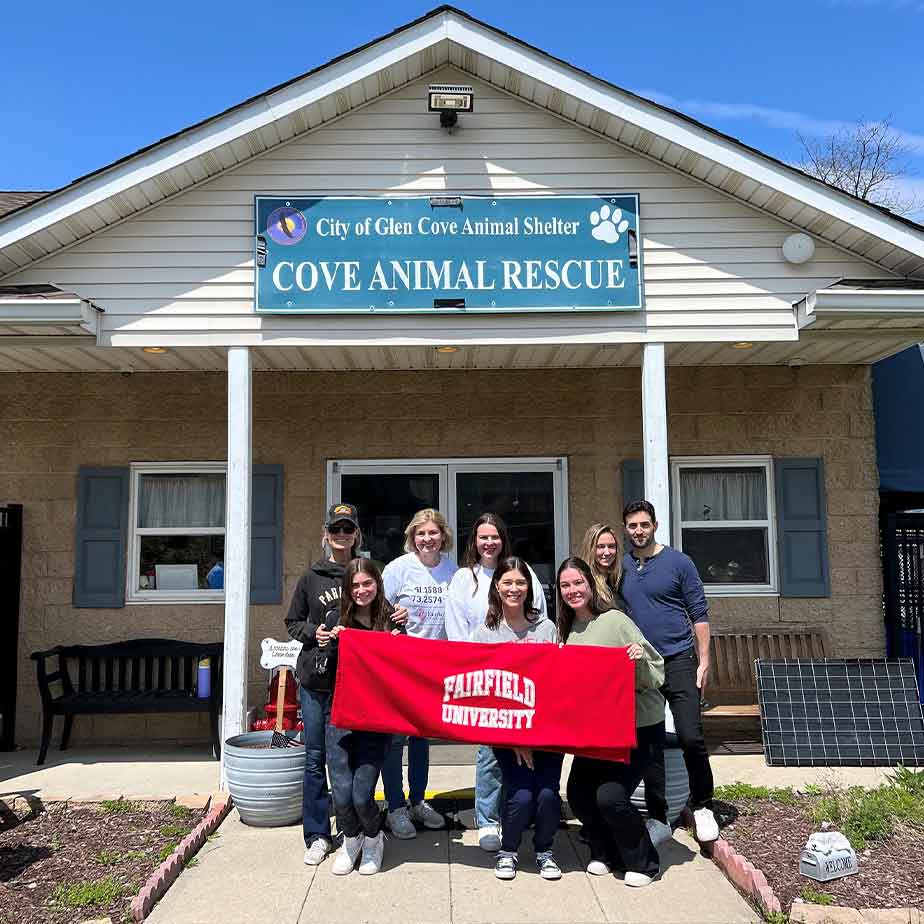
[449, 468]
[133, 594]
[677, 464]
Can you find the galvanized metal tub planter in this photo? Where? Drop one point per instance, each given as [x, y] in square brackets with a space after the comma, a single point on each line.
[676, 785]
[265, 782]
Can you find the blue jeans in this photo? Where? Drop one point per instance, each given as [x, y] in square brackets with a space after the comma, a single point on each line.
[418, 769]
[531, 795]
[489, 788]
[315, 801]
[354, 760]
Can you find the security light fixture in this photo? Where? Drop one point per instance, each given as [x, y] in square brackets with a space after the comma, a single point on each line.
[449, 100]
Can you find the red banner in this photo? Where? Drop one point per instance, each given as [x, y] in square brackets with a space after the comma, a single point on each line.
[578, 699]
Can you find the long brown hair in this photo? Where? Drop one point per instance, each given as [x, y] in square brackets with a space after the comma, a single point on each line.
[379, 608]
[565, 613]
[495, 606]
[470, 556]
[606, 582]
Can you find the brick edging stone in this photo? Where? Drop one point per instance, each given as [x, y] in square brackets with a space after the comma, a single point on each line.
[165, 874]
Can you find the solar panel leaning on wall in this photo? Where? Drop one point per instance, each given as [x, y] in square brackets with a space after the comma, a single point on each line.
[840, 712]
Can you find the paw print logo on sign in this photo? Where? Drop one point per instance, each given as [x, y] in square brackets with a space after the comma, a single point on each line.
[607, 226]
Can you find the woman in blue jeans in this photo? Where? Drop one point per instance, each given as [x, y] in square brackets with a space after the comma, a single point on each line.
[313, 612]
[355, 758]
[531, 778]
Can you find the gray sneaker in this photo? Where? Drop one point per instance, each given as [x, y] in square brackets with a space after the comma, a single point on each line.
[548, 868]
[427, 816]
[400, 824]
[505, 866]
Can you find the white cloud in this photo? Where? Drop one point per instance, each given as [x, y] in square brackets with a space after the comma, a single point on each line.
[796, 122]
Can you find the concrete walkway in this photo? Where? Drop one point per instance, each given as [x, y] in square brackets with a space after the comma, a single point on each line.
[254, 875]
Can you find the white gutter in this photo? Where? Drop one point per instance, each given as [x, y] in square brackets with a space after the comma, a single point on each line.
[49, 312]
[860, 304]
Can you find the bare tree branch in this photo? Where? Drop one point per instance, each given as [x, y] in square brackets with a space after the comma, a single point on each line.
[867, 159]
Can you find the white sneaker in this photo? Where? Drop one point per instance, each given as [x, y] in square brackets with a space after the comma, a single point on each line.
[489, 838]
[427, 816]
[637, 880]
[317, 851]
[658, 831]
[598, 868]
[705, 826]
[400, 824]
[373, 851]
[347, 855]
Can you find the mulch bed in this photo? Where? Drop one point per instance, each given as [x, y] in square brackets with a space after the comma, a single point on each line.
[771, 835]
[68, 844]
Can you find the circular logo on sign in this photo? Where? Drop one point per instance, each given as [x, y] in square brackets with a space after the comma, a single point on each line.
[286, 225]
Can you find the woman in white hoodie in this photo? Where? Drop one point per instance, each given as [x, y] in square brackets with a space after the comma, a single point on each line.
[466, 609]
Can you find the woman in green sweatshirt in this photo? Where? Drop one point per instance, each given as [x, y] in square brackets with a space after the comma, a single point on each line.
[600, 791]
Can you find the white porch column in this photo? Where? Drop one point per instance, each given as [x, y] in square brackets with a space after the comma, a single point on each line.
[654, 436]
[237, 545]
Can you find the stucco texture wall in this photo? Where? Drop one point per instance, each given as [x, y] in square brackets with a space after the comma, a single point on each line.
[52, 424]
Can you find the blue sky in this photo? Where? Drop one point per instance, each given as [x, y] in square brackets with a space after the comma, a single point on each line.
[85, 84]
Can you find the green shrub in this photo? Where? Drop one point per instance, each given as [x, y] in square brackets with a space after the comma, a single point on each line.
[84, 894]
[107, 857]
[174, 830]
[739, 792]
[179, 811]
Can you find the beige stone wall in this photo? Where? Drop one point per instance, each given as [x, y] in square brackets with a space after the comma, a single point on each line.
[54, 423]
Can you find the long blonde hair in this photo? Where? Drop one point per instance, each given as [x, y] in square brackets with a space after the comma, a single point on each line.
[605, 582]
[428, 514]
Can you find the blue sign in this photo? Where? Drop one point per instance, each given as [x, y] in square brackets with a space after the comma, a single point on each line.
[447, 254]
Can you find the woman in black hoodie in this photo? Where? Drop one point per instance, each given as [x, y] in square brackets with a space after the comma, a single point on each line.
[314, 611]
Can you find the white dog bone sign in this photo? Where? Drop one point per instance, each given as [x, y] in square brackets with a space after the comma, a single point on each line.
[277, 654]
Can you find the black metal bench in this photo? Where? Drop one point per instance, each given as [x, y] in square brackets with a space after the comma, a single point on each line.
[144, 675]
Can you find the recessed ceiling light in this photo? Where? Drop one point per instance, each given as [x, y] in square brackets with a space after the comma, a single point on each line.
[742, 345]
[447, 349]
[154, 350]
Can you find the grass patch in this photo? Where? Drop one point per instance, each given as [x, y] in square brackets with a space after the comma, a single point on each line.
[808, 894]
[108, 857]
[776, 917]
[179, 811]
[134, 854]
[85, 894]
[116, 806]
[865, 815]
[192, 861]
[739, 792]
[166, 850]
[174, 830]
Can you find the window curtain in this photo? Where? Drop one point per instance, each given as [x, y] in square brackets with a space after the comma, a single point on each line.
[181, 501]
[723, 494]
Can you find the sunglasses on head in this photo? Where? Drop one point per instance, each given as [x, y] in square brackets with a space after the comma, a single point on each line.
[346, 529]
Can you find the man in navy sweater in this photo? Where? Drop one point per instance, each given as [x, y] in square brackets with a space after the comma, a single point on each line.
[665, 598]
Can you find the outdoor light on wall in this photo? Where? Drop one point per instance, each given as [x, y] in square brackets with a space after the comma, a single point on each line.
[449, 100]
[798, 248]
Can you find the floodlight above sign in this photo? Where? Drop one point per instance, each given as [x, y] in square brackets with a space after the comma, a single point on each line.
[447, 254]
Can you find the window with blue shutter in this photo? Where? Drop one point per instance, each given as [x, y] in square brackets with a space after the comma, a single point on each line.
[102, 513]
[266, 535]
[802, 530]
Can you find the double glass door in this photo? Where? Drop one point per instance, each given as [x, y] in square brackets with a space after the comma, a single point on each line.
[529, 494]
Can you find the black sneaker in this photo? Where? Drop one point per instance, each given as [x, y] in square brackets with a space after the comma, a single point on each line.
[505, 866]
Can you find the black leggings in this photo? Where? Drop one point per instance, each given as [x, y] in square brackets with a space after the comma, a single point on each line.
[600, 792]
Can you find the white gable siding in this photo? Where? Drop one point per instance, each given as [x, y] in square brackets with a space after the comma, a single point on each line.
[713, 267]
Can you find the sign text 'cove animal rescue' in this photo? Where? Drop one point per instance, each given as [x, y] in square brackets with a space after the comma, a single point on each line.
[447, 254]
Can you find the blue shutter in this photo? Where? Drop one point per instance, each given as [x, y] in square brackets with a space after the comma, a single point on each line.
[633, 481]
[266, 535]
[102, 522]
[802, 528]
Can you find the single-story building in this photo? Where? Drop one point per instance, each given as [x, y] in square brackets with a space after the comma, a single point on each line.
[444, 269]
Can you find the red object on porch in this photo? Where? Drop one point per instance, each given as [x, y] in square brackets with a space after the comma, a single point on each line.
[290, 702]
[579, 699]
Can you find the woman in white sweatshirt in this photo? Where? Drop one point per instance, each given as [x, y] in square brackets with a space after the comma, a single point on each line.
[466, 609]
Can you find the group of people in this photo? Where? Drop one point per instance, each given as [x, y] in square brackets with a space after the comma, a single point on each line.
[649, 601]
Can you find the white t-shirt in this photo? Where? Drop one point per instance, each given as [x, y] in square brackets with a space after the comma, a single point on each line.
[410, 583]
[467, 607]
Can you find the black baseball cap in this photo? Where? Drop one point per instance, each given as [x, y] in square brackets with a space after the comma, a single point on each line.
[339, 513]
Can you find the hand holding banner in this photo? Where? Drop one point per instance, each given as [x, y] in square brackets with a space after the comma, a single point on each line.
[580, 700]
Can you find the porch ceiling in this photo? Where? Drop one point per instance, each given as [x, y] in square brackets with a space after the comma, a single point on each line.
[63, 353]
[449, 37]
